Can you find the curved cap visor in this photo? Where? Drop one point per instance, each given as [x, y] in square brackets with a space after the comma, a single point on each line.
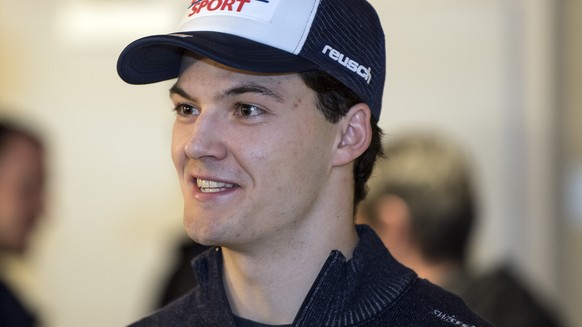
[157, 58]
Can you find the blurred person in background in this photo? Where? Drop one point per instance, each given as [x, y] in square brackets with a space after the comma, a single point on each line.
[423, 205]
[22, 176]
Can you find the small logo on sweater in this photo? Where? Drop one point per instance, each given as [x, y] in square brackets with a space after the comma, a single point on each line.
[450, 319]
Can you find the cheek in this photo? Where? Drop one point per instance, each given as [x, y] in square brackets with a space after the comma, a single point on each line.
[296, 155]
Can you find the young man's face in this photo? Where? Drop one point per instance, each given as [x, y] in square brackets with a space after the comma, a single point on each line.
[252, 153]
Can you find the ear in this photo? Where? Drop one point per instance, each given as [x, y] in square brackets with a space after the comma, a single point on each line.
[355, 134]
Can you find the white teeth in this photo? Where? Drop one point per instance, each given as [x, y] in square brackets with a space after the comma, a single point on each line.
[212, 186]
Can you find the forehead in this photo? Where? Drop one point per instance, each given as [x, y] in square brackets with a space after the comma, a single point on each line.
[196, 70]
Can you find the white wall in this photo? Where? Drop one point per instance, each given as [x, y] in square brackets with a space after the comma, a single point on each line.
[571, 148]
[469, 67]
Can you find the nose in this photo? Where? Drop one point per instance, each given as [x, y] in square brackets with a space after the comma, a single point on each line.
[206, 138]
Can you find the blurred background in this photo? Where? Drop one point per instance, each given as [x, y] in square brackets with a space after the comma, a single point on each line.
[500, 76]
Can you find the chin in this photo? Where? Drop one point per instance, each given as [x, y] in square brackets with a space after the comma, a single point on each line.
[199, 232]
[201, 240]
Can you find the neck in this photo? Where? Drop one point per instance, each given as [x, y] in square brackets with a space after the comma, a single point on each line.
[269, 284]
[268, 280]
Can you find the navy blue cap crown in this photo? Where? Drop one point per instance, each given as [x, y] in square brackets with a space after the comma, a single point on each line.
[343, 38]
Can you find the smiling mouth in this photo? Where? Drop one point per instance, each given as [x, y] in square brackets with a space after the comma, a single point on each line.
[208, 186]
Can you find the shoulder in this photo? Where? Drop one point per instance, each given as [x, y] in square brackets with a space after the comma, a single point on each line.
[425, 304]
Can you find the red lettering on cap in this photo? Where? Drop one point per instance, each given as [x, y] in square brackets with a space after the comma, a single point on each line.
[196, 6]
[213, 5]
[227, 3]
[241, 4]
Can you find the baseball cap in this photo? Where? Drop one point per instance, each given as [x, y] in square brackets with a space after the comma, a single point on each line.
[343, 38]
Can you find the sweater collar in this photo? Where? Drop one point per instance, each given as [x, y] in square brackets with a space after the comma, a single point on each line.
[354, 291]
[346, 292]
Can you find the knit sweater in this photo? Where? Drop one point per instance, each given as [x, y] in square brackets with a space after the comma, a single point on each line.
[371, 289]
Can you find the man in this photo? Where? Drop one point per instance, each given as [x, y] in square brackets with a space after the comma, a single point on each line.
[21, 205]
[423, 207]
[276, 134]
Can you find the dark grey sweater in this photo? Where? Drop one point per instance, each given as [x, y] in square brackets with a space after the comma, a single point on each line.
[372, 289]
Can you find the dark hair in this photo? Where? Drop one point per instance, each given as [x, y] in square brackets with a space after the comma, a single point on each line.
[335, 100]
[9, 129]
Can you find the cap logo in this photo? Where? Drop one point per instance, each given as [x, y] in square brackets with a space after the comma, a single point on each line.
[256, 9]
[354, 66]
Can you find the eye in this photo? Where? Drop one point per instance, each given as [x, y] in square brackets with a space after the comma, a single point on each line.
[248, 110]
[185, 110]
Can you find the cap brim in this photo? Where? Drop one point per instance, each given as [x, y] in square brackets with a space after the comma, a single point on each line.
[157, 58]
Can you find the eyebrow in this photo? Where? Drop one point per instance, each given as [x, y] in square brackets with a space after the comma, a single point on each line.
[175, 89]
[236, 90]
